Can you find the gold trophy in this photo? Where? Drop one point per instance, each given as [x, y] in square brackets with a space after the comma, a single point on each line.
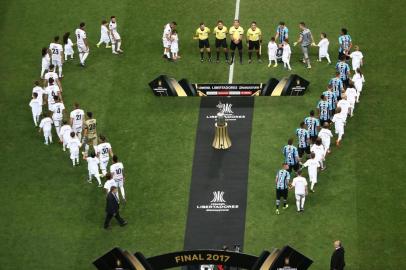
[221, 138]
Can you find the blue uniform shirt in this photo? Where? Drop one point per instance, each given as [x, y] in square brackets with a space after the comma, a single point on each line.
[331, 99]
[323, 108]
[344, 41]
[283, 33]
[291, 154]
[283, 177]
[303, 137]
[338, 86]
[312, 124]
[343, 68]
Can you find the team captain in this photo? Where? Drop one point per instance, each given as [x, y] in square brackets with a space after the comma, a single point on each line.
[236, 32]
[254, 40]
[220, 32]
[202, 34]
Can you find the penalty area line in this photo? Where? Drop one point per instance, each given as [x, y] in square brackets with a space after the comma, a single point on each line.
[236, 16]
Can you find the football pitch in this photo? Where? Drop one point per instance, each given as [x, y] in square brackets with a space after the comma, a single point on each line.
[51, 218]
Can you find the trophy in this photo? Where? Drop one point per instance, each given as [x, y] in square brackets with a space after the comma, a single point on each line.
[221, 138]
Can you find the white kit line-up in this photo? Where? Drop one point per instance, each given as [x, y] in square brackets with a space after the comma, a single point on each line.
[236, 16]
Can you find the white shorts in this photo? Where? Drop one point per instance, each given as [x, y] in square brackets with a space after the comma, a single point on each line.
[272, 57]
[77, 129]
[50, 106]
[56, 62]
[326, 144]
[47, 133]
[74, 154]
[65, 140]
[95, 173]
[83, 49]
[103, 164]
[299, 196]
[116, 36]
[313, 178]
[339, 129]
[57, 123]
[119, 183]
[285, 59]
[166, 43]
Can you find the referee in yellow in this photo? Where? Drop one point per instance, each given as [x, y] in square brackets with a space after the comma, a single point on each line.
[254, 40]
[236, 33]
[220, 31]
[202, 34]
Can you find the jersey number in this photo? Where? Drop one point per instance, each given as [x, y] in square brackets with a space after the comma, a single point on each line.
[118, 171]
[55, 51]
[78, 117]
[105, 151]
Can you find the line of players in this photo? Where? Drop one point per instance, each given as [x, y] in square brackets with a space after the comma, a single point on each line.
[74, 130]
[314, 135]
[56, 54]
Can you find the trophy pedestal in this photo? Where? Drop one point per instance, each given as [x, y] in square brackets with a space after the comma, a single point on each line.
[221, 138]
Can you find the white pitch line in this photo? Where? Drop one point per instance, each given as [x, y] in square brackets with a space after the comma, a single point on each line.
[236, 16]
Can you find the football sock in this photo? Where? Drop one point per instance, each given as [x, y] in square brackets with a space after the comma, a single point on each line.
[303, 201]
[73, 161]
[118, 45]
[84, 57]
[60, 71]
[77, 160]
[240, 53]
[50, 138]
[249, 55]
[312, 186]
[201, 55]
[284, 203]
[98, 178]
[209, 53]
[35, 120]
[298, 204]
[226, 54]
[58, 129]
[328, 59]
[258, 56]
[218, 55]
[113, 48]
[232, 56]
[277, 203]
[122, 191]
[81, 58]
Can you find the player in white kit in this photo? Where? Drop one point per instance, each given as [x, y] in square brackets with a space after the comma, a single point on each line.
[344, 104]
[300, 185]
[351, 94]
[117, 171]
[174, 45]
[81, 41]
[57, 55]
[104, 35]
[52, 74]
[51, 91]
[73, 146]
[359, 81]
[40, 92]
[166, 39]
[357, 58]
[57, 108]
[272, 49]
[286, 54]
[67, 46]
[323, 48]
[93, 167]
[312, 166]
[64, 134]
[45, 62]
[46, 125]
[339, 122]
[103, 151]
[36, 108]
[115, 36]
[77, 120]
[325, 135]
[318, 149]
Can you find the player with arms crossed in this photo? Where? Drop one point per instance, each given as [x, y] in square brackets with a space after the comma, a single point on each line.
[77, 117]
[57, 55]
[282, 184]
[90, 132]
[83, 45]
[202, 34]
[117, 170]
[103, 152]
[254, 40]
[115, 36]
[236, 33]
[220, 31]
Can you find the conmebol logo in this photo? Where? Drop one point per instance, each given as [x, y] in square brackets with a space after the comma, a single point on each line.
[218, 197]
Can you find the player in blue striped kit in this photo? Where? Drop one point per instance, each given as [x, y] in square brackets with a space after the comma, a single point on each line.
[323, 110]
[345, 42]
[282, 33]
[337, 85]
[344, 70]
[291, 156]
[313, 125]
[331, 99]
[282, 186]
[303, 138]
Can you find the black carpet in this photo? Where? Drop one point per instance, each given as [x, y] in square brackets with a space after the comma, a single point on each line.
[218, 192]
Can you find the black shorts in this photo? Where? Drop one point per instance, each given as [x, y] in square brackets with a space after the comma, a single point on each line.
[253, 45]
[324, 121]
[204, 43]
[332, 112]
[238, 46]
[281, 193]
[341, 54]
[295, 167]
[346, 82]
[221, 43]
[313, 138]
[303, 150]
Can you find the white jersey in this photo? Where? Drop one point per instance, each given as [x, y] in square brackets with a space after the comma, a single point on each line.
[113, 30]
[46, 124]
[319, 151]
[92, 165]
[344, 105]
[323, 47]
[80, 37]
[286, 52]
[36, 106]
[51, 91]
[73, 144]
[312, 166]
[46, 61]
[103, 150]
[325, 136]
[351, 95]
[77, 117]
[339, 121]
[56, 50]
[110, 183]
[117, 170]
[356, 59]
[272, 49]
[300, 184]
[57, 110]
[51, 74]
[358, 80]
[64, 133]
[40, 92]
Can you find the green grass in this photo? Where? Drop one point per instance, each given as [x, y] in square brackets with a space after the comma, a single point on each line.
[52, 219]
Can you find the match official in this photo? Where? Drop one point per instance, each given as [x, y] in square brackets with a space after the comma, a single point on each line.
[236, 33]
[112, 208]
[337, 259]
[254, 40]
[202, 34]
[220, 31]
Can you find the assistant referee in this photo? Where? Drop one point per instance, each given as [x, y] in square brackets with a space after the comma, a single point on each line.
[220, 31]
[202, 34]
[254, 40]
[236, 33]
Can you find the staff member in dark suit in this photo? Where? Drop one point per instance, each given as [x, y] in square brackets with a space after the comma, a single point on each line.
[112, 208]
[337, 259]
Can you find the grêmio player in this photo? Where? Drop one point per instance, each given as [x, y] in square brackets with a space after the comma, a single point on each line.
[287, 267]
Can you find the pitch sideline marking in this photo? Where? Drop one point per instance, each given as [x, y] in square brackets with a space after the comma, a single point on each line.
[237, 14]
